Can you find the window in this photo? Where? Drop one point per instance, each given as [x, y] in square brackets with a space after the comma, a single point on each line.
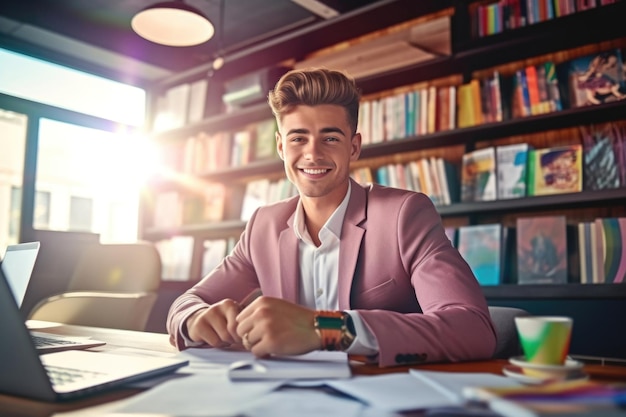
[12, 149]
[52, 84]
[85, 168]
[81, 214]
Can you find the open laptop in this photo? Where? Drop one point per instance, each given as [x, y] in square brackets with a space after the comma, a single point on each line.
[62, 375]
[17, 264]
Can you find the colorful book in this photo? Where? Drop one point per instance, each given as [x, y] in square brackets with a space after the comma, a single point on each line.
[554, 93]
[555, 170]
[511, 166]
[612, 231]
[542, 250]
[470, 112]
[481, 247]
[478, 177]
[265, 140]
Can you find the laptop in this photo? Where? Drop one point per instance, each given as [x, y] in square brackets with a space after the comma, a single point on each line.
[17, 264]
[63, 375]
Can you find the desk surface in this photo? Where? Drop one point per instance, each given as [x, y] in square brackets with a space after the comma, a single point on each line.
[156, 342]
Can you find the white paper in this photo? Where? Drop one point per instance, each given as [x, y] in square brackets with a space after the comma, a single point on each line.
[393, 392]
[199, 395]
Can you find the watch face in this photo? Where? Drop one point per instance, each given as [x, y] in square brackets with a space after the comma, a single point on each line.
[324, 322]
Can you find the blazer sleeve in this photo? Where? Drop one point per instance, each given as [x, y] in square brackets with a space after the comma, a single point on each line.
[233, 278]
[454, 323]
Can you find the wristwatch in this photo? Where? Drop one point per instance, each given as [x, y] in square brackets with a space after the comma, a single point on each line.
[335, 328]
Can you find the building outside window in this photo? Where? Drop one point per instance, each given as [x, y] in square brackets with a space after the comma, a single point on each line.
[86, 161]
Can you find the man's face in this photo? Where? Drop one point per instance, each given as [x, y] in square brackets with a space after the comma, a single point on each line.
[317, 145]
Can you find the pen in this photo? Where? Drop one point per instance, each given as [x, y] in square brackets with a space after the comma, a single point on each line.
[248, 299]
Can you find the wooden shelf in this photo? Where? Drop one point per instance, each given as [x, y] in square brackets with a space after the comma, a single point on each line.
[555, 291]
[205, 230]
[510, 46]
[583, 198]
[595, 25]
[223, 122]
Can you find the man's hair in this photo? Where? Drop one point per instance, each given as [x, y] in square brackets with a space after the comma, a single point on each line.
[313, 87]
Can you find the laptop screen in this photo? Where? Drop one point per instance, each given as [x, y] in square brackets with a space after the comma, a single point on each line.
[17, 265]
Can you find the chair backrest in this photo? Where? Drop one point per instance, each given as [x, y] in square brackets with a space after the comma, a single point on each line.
[113, 285]
[503, 319]
[131, 267]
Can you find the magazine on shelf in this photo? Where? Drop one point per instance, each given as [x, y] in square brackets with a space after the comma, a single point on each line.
[542, 250]
[511, 161]
[481, 247]
[601, 156]
[478, 177]
[594, 79]
[555, 170]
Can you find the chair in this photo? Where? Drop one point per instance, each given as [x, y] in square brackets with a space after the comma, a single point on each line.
[503, 318]
[113, 285]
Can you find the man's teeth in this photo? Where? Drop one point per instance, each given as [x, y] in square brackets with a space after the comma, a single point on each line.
[314, 171]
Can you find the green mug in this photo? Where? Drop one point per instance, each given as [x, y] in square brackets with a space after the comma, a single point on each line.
[545, 339]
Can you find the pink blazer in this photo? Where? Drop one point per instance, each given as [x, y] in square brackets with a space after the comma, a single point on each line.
[397, 268]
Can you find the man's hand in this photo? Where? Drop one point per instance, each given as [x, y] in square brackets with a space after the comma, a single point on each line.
[216, 325]
[273, 326]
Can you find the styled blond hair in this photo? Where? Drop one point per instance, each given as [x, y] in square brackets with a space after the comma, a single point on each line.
[315, 86]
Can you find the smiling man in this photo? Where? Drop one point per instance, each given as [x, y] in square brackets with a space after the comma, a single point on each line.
[363, 269]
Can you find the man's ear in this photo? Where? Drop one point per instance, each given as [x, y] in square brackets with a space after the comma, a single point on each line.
[279, 146]
[355, 150]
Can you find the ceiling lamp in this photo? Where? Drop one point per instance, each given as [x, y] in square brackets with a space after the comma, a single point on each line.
[173, 23]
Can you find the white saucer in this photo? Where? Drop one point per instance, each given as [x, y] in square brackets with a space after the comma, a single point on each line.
[568, 366]
[517, 373]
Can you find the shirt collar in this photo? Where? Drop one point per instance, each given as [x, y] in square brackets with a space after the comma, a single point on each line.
[333, 224]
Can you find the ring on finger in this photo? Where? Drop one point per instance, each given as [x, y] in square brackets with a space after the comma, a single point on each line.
[246, 341]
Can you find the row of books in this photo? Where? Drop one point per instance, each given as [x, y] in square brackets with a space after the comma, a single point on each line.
[208, 204]
[204, 153]
[531, 90]
[204, 205]
[517, 170]
[502, 15]
[545, 250]
[432, 176]
[412, 113]
[262, 192]
[176, 254]
[181, 105]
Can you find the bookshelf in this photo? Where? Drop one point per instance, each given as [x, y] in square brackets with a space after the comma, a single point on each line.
[469, 55]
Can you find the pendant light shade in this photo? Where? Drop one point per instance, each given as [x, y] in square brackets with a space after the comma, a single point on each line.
[173, 23]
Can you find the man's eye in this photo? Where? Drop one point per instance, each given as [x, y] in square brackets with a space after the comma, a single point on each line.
[332, 139]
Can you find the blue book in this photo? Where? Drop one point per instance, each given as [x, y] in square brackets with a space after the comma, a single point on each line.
[481, 247]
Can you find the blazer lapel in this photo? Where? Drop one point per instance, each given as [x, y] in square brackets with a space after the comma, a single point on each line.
[352, 234]
[288, 260]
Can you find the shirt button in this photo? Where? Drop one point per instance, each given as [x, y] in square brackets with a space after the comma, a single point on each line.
[319, 292]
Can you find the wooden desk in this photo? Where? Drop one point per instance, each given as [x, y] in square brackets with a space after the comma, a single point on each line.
[156, 342]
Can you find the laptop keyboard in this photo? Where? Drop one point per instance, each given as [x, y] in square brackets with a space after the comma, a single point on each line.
[60, 376]
[41, 341]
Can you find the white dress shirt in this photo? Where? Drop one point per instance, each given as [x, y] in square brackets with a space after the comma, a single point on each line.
[319, 272]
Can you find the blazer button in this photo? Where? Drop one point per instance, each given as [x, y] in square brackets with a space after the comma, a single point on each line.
[400, 358]
[420, 357]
